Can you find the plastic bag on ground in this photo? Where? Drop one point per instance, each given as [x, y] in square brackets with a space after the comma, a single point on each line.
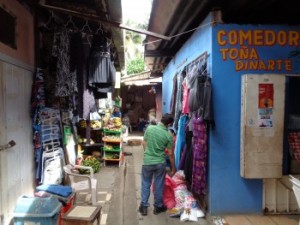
[168, 195]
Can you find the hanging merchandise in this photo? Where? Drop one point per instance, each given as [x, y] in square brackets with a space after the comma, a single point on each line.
[185, 97]
[66, 81]
[186, 162]
[101, 71]
[174, 94]
[199, 156]
[180, 140]
[194, 96]
[79, 51]
[178, 104]
[200, 89]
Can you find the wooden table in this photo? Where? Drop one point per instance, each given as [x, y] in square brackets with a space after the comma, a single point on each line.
[82, 215]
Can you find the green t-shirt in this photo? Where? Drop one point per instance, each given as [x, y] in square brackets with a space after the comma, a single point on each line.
[158, 138]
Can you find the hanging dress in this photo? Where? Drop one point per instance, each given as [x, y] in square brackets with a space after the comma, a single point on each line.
[101, 71]
[66, 81]
[79, 54]
[180, 140]
[199, 156]
[178, 101]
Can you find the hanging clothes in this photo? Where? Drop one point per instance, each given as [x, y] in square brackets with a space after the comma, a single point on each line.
[173, 96]
[180, 140]
[66, 81]
[178, 105]
[206, 109]
[195, 90]
[185, 97]
[101, 71]
[200, 91]
[199, 156]
[79, 50]
[188, 163]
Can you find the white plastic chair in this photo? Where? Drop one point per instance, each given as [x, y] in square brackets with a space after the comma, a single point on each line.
[82, 182]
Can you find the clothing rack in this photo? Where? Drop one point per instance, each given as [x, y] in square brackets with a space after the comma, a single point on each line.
[71, 25]
[196, 61]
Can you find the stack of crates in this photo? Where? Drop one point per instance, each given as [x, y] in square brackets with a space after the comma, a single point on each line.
[38, 211]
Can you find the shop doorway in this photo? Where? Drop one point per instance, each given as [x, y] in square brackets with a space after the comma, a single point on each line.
[278, 194]
[291, 153]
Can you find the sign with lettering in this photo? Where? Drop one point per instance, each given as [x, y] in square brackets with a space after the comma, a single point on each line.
[245, 47]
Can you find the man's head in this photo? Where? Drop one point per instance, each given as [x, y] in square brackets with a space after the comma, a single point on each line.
[167, 119]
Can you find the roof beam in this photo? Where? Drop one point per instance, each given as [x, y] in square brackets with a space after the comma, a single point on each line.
[158, 53]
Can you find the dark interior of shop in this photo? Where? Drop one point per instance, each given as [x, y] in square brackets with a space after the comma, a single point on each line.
[292, 126]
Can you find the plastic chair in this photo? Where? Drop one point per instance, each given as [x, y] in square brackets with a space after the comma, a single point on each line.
[82, 182]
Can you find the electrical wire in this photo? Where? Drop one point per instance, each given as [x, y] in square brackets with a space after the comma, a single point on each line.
[185, 32]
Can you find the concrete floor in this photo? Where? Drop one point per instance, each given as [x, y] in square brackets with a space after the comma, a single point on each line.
[119, 196]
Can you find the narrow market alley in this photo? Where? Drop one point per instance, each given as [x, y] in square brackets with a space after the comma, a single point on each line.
[119, 192]
[119, 196]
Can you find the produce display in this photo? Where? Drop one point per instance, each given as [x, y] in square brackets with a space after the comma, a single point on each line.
[114, 125]
[111, 138]
[95, 124]
[112, 130]
[117, 122]
[82, 123]
[84, 140]
[92, 162]
[112, 156]
[108, 147]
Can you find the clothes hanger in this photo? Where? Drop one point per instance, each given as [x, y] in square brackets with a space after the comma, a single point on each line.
[70, 25]
[86, 28]
[51, 24]
[99, 29]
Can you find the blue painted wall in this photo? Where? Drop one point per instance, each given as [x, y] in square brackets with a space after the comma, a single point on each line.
[228, 192]
[200, 42]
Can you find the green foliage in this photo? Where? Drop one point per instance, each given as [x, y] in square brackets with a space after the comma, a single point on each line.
[135, 66]
[92, 162]
[134, 50]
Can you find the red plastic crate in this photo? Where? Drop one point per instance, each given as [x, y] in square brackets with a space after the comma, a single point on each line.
[65, 208]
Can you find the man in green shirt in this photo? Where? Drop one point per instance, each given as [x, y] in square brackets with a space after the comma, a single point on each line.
[157, 138]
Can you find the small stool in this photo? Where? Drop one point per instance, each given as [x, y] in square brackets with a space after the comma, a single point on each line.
[82, 215]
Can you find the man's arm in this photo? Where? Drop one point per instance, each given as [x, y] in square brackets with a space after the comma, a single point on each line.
[172, 161]
[144, 143]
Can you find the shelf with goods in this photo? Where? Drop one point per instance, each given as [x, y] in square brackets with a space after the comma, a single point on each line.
[90, 137]
[112, 142]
